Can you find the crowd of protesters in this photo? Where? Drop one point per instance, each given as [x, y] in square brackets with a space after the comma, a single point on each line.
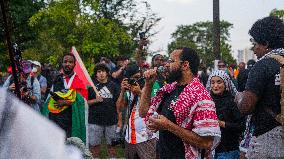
[171, 108]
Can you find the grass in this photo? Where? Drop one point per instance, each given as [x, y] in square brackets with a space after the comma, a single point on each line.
[104, 155]
[119, 152]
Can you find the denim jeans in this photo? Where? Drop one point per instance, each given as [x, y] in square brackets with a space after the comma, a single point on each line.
[228, 155]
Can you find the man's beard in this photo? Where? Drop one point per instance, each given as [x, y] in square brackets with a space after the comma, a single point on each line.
[174, 76]
[68, 71]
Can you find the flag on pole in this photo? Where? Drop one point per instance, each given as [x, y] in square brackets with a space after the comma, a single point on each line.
[81, 71]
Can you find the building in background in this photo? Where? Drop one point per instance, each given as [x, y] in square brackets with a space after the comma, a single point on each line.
[245, 55]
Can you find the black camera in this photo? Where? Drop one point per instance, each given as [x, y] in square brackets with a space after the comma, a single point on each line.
[26, 90]
[131, 81]
[118, 141]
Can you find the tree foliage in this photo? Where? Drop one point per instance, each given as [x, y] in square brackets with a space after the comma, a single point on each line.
[278, 13]
[18, 13]
[199, 36]
[96, 27]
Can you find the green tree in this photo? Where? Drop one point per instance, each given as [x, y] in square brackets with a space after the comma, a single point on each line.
[48, 28]
[278, 13]
[19, 12]
[96, 28]
[199, 36]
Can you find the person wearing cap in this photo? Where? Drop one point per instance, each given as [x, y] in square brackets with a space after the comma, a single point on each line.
[29, 86]
[41, 79]
[138, 142]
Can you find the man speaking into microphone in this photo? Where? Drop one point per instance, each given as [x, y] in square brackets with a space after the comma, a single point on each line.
[187, 121]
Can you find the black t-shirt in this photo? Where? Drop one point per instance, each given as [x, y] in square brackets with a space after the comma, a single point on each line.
[104, 113]
[170, 145]
[264, 81]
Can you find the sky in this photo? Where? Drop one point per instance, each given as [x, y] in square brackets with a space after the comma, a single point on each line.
[241, 13]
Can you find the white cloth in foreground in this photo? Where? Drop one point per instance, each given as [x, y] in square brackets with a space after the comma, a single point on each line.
[25, 134]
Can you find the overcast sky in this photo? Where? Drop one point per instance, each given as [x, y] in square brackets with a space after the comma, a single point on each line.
[241, 13]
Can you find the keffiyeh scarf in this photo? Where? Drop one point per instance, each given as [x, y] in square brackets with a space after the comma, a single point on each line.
[279, 51]
[226, 78]
[194, 110]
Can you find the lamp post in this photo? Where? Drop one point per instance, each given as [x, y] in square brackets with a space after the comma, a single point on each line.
[216, 32]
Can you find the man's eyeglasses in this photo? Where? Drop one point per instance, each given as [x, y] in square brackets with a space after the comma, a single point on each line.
[222, 66]
[172, 61]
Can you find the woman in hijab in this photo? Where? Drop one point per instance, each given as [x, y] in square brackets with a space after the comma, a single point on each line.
[231, 122]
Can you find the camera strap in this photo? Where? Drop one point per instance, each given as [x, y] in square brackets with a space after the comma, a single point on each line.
[32, 82]
[134, 101]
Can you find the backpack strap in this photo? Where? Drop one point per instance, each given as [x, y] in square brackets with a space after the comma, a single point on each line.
[32, 82]
[280, 59]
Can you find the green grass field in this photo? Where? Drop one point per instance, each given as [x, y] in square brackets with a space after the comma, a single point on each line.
[104, 155]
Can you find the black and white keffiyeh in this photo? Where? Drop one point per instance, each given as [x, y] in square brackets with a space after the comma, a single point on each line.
[279, 51]
[226, 78]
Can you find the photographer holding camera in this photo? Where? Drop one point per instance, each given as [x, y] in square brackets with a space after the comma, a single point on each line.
[29, 86]
[138, 143]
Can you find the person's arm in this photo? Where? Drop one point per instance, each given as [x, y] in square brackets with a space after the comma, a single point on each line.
[257, 81]
[98, 99]
[117, 73]
[119, 113]
[145, 100]
[119, 119]
[246, 102]
[139, 53]
[63, 103]
[93, 98]
[190, 137]
[121, 102]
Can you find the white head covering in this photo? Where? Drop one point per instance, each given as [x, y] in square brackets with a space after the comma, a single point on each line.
[226, 78]
[36, 63]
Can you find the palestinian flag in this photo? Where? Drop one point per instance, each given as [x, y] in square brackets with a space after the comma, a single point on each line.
[82, 72]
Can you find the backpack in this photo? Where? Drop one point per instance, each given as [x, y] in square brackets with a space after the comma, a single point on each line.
[280, 59]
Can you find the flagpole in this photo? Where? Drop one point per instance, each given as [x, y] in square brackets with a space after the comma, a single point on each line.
[9, 44]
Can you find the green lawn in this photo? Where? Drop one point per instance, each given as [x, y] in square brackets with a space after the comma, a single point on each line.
[119, 151]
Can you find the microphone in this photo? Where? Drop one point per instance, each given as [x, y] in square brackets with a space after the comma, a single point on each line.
[160, 69]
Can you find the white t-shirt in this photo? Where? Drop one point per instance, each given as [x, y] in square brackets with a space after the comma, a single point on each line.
[137, 131]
